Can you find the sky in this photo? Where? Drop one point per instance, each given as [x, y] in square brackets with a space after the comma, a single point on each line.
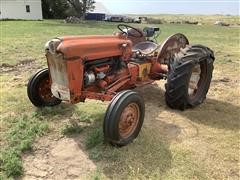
[172, 6]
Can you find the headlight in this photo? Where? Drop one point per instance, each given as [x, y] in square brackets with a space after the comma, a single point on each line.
[52, 45]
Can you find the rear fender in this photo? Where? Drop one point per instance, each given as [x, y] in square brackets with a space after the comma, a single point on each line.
[172, 45]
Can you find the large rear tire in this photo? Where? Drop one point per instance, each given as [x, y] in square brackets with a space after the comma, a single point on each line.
[124, 118]
[189, 77]
[39, 90]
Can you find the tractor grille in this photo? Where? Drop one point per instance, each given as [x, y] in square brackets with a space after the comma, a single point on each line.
[59, 76]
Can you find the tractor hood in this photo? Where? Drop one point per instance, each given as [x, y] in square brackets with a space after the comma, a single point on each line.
[90, 47]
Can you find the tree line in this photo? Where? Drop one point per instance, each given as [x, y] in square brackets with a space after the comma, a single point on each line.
[59, 9]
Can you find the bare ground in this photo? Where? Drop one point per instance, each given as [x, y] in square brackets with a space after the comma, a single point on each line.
[58, 157]
[61, 158]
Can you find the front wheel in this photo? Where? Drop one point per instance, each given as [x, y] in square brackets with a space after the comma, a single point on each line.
[189, 77]
[39, 90]
[124, 118]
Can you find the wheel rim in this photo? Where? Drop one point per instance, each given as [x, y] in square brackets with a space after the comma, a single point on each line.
[196, 82]
[129, 120]
[194, 79]
[44, 90]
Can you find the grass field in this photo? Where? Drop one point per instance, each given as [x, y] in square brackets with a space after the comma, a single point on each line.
[203, 19]
[200, 143]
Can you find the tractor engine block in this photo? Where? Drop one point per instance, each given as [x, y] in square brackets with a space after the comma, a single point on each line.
[96, 71]
[101, 74]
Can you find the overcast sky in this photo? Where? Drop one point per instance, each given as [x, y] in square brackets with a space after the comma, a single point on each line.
[172, 6]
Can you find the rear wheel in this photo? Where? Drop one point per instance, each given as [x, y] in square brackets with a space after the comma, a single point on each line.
[39, 90]
[124, 118]
[189, 77]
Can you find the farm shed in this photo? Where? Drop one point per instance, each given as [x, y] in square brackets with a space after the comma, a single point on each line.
[95, 16]
[21, 9]
[98, 14]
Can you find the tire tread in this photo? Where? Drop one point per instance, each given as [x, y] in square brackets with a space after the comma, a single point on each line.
[176, 95]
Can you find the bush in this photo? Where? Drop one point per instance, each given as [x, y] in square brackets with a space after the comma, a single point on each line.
[154, 21]
[71, 128]
[94, 138]
[11, 162]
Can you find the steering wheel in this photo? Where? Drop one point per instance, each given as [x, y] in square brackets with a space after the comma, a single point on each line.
[122, 28]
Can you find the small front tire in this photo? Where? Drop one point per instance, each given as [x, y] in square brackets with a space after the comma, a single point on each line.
[39, 90]
[124, 118]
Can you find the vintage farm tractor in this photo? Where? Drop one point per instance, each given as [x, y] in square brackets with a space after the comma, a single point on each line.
[107, 68]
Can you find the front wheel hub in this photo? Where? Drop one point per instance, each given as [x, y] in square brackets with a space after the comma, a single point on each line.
[44, 90]
[129, 120]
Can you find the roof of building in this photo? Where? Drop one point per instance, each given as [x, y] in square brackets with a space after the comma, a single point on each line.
[100, 8]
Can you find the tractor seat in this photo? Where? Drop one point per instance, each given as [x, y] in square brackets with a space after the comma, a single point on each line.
[146, 47]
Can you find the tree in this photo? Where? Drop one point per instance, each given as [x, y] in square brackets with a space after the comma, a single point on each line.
[81, 7]
[59, 9]
[55, 9]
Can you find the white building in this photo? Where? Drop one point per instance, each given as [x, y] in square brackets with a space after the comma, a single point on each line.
[100, 8]
[21, 9]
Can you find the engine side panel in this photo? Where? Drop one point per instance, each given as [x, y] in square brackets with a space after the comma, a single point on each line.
[66, 77]
[75, 76]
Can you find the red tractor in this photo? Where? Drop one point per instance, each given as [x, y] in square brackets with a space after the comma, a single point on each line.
[108, 68]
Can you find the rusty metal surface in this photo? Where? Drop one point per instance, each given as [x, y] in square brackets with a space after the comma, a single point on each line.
[97, 96]
[66, 77]
[197, 81]
[66, 66]
[129, 120]
[75, 77]
[143, 70]
[157, 70]
[94, 47]
[120, 84]
[136, 40]
[194, 79]
[171, 46]
[44, 90]
[146, 47]
[59, 76]
[134, 72]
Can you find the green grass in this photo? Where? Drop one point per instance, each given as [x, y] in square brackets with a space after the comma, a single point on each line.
[71, 128]
[19, 138]
[94, 138]
[201, 143]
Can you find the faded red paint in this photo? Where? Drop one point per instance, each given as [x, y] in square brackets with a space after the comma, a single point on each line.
[75, 78]
[129, 120]
[66, 66]
[94, 47]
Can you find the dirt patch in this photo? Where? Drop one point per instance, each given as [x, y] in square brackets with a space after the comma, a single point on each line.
[53, 158]
[22, 66]
[224, 80]
[171, 125]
